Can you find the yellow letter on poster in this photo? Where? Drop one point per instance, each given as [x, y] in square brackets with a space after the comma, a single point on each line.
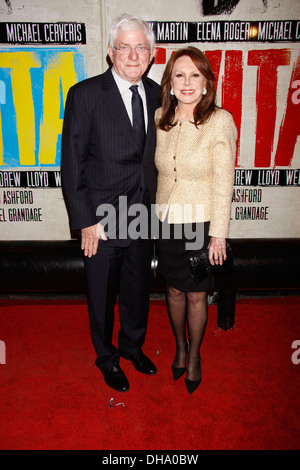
[1, 144]
[2, 101]
[60, 70]
[20, 64]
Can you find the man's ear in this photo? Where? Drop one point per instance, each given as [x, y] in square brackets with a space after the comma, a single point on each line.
[153, 53]
[110, 52]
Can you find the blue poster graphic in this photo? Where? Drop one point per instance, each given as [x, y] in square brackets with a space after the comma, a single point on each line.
[33, 87]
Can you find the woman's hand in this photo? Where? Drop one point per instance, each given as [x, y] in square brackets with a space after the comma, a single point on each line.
[217, 250]
[90, 239]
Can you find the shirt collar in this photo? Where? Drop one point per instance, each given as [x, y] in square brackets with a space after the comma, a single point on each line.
[124, 85]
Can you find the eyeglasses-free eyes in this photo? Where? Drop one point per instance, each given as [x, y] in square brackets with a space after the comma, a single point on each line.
[124, 49]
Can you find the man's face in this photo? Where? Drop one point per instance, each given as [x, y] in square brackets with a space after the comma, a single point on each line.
[131, 65]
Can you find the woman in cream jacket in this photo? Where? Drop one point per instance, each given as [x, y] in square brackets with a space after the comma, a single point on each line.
[195, 159]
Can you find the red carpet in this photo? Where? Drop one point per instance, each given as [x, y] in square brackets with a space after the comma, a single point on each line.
[54, 397]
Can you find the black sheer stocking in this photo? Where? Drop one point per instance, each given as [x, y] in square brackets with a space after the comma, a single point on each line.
[177, 313]
[197, 318]
[188, 309]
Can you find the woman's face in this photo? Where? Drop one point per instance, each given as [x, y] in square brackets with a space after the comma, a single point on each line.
[187, 81]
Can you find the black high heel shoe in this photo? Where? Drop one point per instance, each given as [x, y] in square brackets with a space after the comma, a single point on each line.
[192, 385]
[179, 371]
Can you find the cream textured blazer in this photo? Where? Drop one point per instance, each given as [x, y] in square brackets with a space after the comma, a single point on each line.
[196, 172]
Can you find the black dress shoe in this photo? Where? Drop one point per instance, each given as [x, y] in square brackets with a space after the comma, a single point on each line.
[116, 379]
[141, 363]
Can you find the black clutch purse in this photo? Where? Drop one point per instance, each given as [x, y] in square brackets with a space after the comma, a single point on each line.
[201, 268]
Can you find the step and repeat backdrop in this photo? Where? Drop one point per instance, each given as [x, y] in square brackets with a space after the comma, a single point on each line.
[253, 46]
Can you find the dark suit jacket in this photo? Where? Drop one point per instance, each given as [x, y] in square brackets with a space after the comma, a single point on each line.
[100, 160]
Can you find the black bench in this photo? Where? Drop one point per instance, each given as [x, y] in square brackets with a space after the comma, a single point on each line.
[57, 267]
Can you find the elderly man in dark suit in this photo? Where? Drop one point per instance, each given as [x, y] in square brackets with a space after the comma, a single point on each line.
[108, 146]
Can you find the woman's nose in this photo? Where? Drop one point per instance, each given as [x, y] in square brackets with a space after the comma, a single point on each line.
[187, 80]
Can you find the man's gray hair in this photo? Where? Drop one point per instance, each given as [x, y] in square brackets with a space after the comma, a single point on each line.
[131, 23]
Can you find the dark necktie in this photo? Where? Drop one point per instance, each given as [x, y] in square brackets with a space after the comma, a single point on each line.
[138, 117]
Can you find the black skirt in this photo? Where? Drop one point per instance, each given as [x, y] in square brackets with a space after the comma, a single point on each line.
[174, 253]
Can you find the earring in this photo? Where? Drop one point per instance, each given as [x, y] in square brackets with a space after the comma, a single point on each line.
[204, 91]
[172, 92]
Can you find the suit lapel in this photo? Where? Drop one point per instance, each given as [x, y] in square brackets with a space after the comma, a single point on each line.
[150, 103]
[115, 106]
[151, 106]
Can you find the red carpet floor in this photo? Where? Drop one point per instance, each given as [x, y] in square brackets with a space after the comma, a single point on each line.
[54, 397]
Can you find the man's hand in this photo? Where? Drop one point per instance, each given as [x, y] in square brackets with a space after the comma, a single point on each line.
[90, 239]
[217, 250]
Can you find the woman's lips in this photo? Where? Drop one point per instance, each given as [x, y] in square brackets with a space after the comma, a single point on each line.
[187, 92]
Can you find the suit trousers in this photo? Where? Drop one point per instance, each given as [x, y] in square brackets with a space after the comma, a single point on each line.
[124, 270]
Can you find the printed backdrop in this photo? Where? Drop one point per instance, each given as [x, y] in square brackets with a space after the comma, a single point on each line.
[253, 46]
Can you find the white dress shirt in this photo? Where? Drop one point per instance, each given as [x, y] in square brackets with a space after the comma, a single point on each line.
[126, 94]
